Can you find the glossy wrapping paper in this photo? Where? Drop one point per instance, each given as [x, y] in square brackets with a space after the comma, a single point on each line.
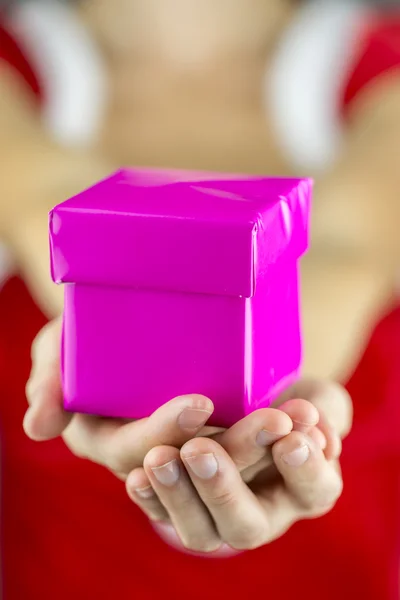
[180, 283]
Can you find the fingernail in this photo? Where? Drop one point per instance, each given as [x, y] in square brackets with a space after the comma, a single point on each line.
[167, 474]
[204, 466]
[266, 438]
[193, 418]
[297, 457]
[145, 493]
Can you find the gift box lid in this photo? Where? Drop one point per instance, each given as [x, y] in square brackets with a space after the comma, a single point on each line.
[184, 231]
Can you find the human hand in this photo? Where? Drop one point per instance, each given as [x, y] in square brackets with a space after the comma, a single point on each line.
[255, 472]
[249, 484]
[118, 445]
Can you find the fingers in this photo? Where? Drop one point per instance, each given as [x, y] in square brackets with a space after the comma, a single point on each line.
[320, 403]
[318, 437]
[333, 444]
[119, 447]
[239, 517]
[46, 418]
[333, 403]
[122, 447]
[334, 406]
[141, 492]
[163, 490]
[237, 525]
[302, 413]
[199, 487]
[189, 516]
[248, 441]
[306, 419]
[167, 532]
[331, 400]
[202, 481]
[313, 482]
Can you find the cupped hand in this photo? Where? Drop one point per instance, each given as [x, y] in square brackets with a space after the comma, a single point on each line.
[248, 485]
[116, 444]
[212, 489]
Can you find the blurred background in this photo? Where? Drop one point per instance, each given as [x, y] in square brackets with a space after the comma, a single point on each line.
[274, 87]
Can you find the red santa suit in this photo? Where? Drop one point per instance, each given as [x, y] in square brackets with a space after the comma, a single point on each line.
[68, 529]
[328, 56]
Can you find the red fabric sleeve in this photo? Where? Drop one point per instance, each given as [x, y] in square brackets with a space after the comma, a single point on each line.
[12, 54]
[69, 529]
[379, 53]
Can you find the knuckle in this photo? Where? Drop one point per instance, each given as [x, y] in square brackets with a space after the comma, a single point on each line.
[181, 506]
[46, 341]
[101, 447]
[320, 510]
[77, 450]
[347, 417]
[325, 498]
[118, 459]
[223, 498]
[96, 440]
[30, 389]
[196, 542]
[343, 408]
[37, 343]
[116, 463]
[249, 538]
[336, 405]
[40, 341]
[75, 447]
[76, 442]
[156, 515]
[335, 493]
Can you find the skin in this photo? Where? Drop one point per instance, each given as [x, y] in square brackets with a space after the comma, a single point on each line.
[160, 81]
[349, 274]
[214, 490]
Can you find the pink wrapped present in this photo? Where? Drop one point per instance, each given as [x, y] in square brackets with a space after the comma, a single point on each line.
[180, 283]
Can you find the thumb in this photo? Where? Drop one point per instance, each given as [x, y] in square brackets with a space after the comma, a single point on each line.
[46, 418]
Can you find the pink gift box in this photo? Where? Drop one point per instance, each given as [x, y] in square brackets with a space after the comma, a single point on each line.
[180, 283]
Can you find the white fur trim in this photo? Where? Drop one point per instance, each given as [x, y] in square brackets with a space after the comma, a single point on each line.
[302, 88]
[68, 66]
